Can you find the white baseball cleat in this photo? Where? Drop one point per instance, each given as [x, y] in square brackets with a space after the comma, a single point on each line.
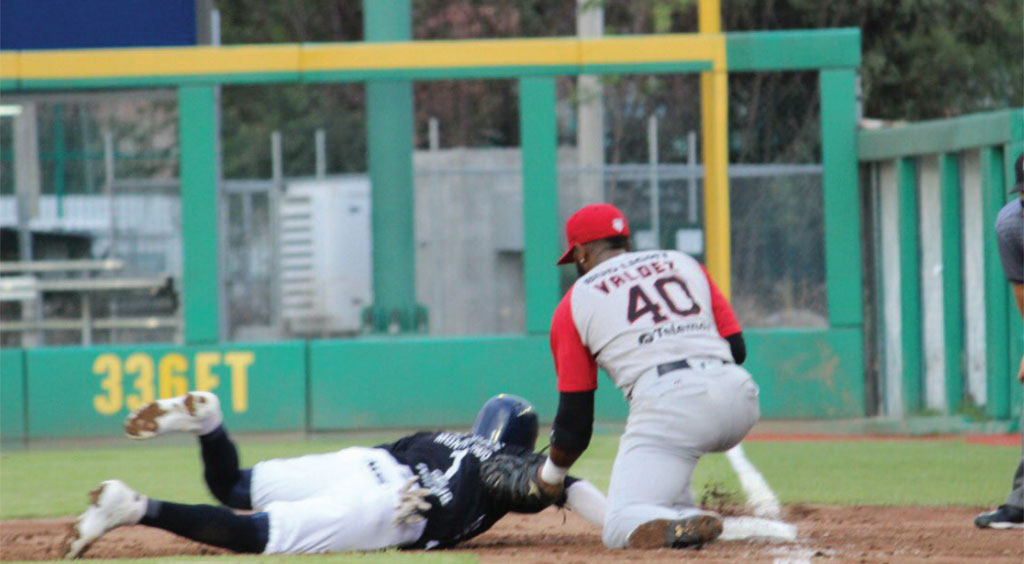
[113, 504]
[691, 532]
[194, 412]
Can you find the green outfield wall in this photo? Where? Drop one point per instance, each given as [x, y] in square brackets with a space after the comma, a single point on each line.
[421, 381]
[430, 382]
[377, 382]
[77, 392]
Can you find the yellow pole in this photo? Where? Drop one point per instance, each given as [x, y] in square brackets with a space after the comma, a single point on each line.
[714, 102]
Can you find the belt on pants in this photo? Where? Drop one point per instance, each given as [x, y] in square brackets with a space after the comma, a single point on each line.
[681, 364]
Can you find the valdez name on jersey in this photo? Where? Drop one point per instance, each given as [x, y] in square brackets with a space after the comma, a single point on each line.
[635, 312]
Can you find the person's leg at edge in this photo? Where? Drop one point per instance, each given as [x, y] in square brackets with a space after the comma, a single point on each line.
[1016, 497]
[1010, 515]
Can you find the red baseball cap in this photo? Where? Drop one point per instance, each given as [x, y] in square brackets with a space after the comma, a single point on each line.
[593, 222]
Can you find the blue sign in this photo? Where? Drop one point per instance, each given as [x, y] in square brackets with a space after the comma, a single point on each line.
[80, 24]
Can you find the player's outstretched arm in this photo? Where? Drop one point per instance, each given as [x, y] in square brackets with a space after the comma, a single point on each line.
[574, 425]
[584, 499]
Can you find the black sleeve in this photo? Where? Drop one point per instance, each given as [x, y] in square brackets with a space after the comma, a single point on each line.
[738, 346]
[574, 422]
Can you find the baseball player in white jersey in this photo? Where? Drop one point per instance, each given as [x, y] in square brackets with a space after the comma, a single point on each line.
[656, 323]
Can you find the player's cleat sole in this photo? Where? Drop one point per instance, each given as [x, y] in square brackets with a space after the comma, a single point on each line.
[194, 412]
[692, 532]
[113, 504]
[1003, 517]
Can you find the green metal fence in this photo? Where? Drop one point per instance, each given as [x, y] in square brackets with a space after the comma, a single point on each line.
[401, 380]
[951, 335]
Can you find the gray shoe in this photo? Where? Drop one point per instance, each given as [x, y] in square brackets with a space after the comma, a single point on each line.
[1003, 517]
[691, 532]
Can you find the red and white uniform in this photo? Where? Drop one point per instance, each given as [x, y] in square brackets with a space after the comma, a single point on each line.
[631, 314]
[635, 312]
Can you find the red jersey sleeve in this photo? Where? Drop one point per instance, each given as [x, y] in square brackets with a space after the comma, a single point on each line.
[574, 365]
[725, 317]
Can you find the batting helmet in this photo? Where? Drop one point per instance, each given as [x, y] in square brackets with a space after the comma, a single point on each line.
[509, 419]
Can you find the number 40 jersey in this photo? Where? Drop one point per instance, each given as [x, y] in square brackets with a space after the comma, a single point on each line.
[634, 312]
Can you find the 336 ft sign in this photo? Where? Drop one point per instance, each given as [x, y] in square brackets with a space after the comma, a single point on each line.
[140, 378]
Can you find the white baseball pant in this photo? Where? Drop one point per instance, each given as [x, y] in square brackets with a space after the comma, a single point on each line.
[338, 501]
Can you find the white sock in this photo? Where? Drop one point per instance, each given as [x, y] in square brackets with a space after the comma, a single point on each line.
[139, 505]
[210, 424]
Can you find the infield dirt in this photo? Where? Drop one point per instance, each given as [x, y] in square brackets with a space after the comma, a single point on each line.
[905, 535]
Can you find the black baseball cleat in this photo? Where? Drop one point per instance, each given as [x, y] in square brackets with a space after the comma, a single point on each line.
[1003, 517]
[691, 532]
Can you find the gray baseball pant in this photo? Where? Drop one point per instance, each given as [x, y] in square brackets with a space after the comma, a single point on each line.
[673, 420]
[1016, 497]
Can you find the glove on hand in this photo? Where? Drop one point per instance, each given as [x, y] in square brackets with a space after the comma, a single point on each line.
[514, 481]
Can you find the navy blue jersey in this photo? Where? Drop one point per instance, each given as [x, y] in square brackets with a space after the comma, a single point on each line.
[448, 464]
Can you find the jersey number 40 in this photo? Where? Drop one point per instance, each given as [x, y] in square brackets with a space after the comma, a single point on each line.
[673, 294]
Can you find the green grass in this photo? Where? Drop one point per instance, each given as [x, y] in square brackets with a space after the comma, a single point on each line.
[49, 482]
[53, 482]
[946, 472]
[887, 472]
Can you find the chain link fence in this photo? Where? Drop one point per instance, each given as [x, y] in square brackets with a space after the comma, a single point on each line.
[468, 198]
[107, 168]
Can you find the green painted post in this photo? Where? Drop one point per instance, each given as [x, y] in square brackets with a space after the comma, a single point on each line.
[806, 49]
[910, 285]
[952, 279]
[962, 133]
[842, 198]
[996, 288]
[198, 141]
[13, 380]
[540, 200]
[389, 122]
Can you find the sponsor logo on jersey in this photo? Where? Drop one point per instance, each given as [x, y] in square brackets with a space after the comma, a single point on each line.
[673, 329]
